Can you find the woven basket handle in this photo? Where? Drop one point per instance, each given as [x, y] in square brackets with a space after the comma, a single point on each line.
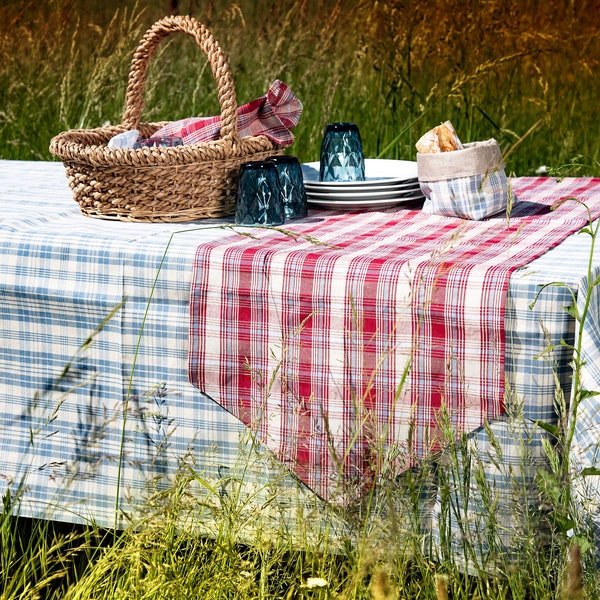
[134, 101]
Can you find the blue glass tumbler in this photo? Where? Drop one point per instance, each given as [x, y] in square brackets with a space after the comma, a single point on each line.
[258, 196]
[342, 157]
[291, 183]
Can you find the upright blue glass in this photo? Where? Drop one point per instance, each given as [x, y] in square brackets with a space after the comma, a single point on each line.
[342, 157]
[292, 186]
[258, 196]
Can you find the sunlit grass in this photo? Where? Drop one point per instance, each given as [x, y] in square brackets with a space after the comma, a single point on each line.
[522, 72]
[186, 544]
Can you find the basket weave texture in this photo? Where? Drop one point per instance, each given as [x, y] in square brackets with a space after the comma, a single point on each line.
[181, 183]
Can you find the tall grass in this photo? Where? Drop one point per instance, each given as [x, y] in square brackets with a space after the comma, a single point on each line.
[521, 71]
[165, 553]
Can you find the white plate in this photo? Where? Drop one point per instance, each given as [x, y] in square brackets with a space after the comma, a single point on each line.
[376, 187]
[377, 172]
[363, 204]
[365, 194]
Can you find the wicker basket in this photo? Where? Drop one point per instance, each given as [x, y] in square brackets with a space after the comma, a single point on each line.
[181, 183]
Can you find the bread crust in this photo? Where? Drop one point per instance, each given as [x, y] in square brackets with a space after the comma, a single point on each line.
[442, 138]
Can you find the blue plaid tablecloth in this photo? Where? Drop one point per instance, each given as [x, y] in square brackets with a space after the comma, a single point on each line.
[500, 461]
[110, 301]
[64, 444]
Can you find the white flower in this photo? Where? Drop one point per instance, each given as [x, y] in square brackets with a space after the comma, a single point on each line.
[315, 582]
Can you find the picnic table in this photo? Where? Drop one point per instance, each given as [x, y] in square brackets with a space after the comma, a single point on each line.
[109, 339]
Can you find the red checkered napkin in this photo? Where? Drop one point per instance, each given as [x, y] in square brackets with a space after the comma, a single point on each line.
[273, 115]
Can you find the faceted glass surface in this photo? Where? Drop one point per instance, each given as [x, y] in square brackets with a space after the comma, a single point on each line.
[342, 156]
[258, 196]
[292, 186]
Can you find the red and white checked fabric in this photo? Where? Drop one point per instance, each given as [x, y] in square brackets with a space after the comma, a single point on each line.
[273, 115]
[341, 354]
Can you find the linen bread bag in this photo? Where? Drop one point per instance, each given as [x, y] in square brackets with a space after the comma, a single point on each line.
[461, 180]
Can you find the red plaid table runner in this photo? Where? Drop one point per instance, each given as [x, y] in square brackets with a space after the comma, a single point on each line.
[340, 353]
[273, 115]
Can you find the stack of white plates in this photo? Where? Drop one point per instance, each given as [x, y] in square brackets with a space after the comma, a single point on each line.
[387, 183]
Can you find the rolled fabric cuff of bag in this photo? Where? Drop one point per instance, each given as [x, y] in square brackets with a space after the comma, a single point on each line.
[476, 158]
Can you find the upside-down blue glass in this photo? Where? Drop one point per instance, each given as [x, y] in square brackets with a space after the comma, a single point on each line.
[258, 196]
[292, 185]
[342, 157]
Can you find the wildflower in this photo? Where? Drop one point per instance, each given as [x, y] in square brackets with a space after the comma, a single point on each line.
[315, 582]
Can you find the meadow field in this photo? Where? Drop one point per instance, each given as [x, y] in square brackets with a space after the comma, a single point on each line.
[522, 71]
